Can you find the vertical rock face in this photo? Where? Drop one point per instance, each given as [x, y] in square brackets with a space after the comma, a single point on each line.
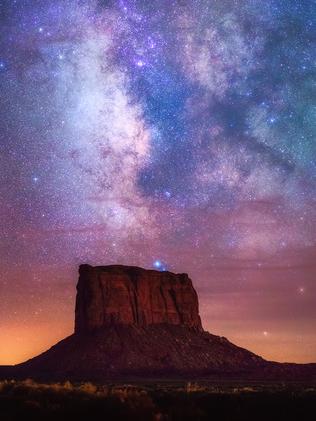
[108, 295]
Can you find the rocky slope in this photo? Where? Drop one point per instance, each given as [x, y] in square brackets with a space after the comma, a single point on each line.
[157, 350]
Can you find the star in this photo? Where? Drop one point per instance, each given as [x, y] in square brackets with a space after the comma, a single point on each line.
[167, 194]
[140, 63]
[158, 264]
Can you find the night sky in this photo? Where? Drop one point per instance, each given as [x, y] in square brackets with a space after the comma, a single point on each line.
[172, 134]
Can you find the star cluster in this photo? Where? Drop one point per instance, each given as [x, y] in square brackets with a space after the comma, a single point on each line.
[177, 135]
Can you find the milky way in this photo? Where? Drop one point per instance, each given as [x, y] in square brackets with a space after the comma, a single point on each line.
[178, 135]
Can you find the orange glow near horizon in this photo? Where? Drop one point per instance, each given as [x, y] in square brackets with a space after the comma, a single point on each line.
[20, 343]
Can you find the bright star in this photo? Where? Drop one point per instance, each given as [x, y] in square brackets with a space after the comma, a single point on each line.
[159, 265]
[167, 194]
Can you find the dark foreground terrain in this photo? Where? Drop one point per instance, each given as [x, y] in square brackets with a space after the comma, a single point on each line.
[21, 400]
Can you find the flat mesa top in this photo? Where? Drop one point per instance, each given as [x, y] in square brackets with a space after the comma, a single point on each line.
[125, 268]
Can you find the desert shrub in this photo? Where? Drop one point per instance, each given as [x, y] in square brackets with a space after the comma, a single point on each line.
[87, 401]
[88, 387]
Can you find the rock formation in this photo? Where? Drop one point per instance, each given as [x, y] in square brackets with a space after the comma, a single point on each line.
[137, 323]
[108, 295]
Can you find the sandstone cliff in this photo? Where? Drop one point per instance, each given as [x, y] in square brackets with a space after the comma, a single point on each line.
[129, 295]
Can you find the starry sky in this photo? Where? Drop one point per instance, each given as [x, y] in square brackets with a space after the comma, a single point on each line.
[172, 134]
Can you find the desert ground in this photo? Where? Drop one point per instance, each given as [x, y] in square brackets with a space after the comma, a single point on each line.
[226, 401]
